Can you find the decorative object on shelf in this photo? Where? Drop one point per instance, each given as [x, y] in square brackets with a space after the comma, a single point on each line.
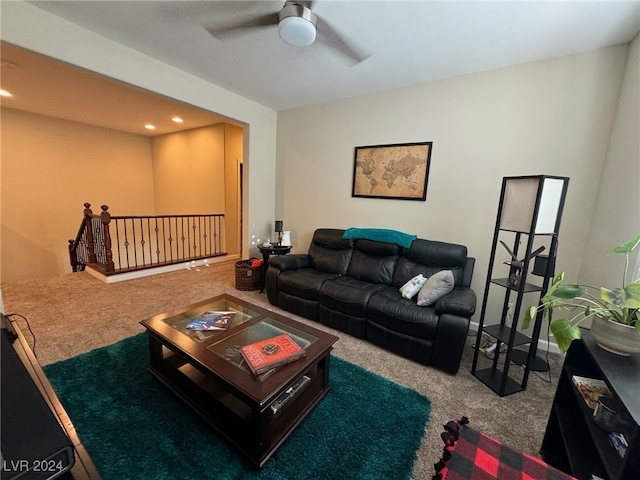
[620, 305]
[530, 210]
[591, 390]
[609, 414]
[518, 265]
[397, 171]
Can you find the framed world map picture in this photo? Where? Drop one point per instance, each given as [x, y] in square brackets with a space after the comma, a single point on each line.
[396, 171]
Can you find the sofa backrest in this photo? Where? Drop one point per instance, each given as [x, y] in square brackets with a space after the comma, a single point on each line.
[329, 252]
[428, 257]
[373, 261]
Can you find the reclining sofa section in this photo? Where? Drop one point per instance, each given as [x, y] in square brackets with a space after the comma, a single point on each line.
[354, 286]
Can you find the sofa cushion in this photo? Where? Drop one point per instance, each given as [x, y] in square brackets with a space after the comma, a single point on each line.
[329, 252]
[429, 257]
[413, 286]
[437, 254]
[348, 295]
[373, 262]
[437, 286]
[398, 314]
[304, 282]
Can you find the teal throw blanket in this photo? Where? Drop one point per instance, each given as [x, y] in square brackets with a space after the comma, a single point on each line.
[380, 235]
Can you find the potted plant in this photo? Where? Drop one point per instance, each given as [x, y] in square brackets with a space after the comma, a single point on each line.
[614, 311]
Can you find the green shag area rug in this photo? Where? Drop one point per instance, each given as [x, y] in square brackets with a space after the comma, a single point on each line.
[366, 428]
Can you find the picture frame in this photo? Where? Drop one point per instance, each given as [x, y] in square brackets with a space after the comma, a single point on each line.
[396, 171]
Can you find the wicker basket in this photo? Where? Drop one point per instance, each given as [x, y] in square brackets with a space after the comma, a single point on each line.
[248, 277]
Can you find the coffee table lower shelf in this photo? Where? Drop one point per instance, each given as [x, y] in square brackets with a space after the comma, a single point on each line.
[255, 430]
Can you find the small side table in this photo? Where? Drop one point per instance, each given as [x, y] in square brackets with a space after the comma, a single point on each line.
[266, 252]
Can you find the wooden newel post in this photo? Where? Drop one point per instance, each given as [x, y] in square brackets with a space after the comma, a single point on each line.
[72, 256]
[91, 251]
[105, 218]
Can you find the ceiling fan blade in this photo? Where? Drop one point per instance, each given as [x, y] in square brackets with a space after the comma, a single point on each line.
[221, 33]
[330, 36]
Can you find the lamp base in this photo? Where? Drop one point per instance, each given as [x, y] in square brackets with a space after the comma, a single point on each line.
[538, 364]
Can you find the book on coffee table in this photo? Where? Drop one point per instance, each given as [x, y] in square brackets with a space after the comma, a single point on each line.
[212, 320]
[270, 353]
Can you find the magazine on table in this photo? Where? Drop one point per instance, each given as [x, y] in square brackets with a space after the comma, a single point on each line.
[212, 320]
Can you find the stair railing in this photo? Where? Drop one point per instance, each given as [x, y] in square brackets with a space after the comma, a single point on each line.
[118, 244]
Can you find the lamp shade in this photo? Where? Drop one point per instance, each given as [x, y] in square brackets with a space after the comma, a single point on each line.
[533, 204]
[278, 226]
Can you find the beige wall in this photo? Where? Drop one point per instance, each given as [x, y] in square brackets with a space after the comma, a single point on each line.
[50, 167]
[234, 138]
[550, 117]
[188, 171]
[196, 171]
[616, 216]
[29, 27]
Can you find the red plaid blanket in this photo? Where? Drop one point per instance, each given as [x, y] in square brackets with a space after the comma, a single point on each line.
[470, 455]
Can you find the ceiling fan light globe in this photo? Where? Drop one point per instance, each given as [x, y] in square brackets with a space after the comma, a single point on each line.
[297, 31]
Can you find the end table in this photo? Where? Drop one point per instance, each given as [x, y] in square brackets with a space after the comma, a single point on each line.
[266, 252]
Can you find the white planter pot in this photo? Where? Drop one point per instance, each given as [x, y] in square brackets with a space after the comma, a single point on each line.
[616, 337]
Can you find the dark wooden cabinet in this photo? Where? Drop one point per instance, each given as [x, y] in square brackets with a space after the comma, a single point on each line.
[573, 442]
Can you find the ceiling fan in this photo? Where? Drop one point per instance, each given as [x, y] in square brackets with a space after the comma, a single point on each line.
[299, 26]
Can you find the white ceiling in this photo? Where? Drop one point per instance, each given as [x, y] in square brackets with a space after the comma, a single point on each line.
[46, 86]
[408, 41]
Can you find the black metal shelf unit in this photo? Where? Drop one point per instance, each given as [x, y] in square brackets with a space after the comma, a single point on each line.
[530, 209]
[573, 442]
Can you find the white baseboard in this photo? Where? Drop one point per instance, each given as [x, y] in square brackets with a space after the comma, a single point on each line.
[543, 345]
[121, 277]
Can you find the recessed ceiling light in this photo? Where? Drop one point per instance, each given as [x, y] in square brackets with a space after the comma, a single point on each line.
[148, 126]
[4, 93]
[177, 119]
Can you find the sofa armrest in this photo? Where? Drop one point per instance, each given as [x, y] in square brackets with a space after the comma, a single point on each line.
[290, 262]
[450, 342]
[460, 301]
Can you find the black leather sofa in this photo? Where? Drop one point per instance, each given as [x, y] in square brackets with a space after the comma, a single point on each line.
[354, 286]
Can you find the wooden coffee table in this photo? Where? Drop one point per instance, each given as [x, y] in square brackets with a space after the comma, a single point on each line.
[206, 371]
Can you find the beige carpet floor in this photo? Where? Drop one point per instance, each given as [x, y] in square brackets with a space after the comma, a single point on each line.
[75, 313]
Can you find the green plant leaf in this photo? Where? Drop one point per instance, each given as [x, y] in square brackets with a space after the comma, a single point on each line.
[626, 247]
[565, 333]
[528, 316]
[568, 291]
[554, 285]
[627, 297]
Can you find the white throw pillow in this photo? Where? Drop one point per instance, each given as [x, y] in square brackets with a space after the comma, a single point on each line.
[413, 286]
[437, 286]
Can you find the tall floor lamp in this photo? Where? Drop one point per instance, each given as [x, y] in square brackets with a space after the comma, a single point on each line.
[530, 209]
